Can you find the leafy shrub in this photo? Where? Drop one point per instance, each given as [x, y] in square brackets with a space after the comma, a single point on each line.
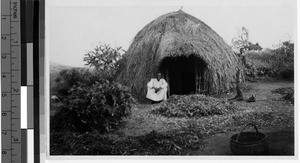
[70, 78]
[278, 62]
[284, 60]
[257, 65]
[192, 106]
[99, 107]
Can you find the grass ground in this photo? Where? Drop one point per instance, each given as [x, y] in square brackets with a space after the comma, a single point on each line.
[271, 114]
[146, 132]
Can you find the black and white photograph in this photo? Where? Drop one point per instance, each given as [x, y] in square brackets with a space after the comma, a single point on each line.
[171, 78]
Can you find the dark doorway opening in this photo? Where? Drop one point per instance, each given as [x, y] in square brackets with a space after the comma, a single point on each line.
[185, 75]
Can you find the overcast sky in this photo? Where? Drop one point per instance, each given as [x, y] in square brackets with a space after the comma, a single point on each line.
[74, 27]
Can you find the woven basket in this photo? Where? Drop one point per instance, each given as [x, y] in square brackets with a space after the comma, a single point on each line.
[249, 143]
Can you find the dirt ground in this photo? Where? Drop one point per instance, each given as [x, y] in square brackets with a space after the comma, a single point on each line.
[280, 135]
[280, 138]
[281, 142]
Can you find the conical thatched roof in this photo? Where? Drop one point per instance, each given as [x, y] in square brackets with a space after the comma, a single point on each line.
[178, 34]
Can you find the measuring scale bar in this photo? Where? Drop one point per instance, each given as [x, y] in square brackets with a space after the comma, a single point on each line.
[10, 81]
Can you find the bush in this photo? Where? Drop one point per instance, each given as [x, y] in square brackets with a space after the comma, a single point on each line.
[193, 106]
[284, 60]
[278, 62]
[100, 107]
[70, 78]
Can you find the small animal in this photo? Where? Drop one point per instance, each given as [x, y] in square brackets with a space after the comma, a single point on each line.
[251, 99]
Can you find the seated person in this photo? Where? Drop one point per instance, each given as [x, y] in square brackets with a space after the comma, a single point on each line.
[157, 89]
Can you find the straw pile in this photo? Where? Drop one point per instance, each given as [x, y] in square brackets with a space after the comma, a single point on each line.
[189, 106]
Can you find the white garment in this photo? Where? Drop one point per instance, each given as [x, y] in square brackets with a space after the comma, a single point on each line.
[161, 94]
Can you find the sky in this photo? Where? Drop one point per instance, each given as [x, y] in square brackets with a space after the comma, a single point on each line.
[74, 27]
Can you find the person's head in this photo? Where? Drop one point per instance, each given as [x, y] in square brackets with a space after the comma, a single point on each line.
[158, 76]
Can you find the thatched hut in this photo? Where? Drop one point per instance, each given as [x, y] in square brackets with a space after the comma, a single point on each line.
[192, 57]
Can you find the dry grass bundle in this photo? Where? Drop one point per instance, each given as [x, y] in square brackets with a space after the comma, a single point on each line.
[176, 142]
[193, 106]
[178, 34]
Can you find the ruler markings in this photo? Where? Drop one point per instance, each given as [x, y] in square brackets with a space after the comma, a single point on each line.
[10, 39]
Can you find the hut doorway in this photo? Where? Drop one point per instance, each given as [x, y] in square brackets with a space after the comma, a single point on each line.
[185, 75]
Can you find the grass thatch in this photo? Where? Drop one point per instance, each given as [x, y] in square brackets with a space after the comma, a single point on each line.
[178, 34]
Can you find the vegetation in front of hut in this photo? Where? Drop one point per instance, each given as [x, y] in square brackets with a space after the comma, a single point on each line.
[99, 107]
[176, 142]
[195, 105]
[69, 78]
[89, 100]
[146, 133]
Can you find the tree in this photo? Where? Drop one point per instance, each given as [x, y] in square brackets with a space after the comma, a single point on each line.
[241, 41]
[105, 60]
[252, 46]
